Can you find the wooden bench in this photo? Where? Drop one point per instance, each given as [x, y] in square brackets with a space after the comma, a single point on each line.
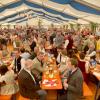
[5, 97]
[86, 90]
[23, 98]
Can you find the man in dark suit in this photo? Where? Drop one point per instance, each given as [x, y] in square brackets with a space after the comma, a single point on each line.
[28, 84]
[73, 86]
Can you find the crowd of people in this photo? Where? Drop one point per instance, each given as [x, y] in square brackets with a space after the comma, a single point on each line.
[75, 53]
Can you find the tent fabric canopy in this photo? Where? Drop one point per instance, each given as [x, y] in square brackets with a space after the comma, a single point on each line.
[53, 10]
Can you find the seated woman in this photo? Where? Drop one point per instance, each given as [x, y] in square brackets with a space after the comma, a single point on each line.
[91, 52]
[8, 77]
[84, 66]
[62, 59]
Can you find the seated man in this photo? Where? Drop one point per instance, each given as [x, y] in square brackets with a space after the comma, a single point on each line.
[28, 84]
[61, 59]
[37, 68]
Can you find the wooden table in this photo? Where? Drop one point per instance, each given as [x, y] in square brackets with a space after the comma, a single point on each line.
[98, 70]
[51, 82]
[7, 61]
[96, 73]
[56, 79]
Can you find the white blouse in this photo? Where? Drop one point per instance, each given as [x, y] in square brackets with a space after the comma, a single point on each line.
[11, 86]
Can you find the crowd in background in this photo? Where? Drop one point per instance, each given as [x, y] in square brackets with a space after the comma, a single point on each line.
[32, 43]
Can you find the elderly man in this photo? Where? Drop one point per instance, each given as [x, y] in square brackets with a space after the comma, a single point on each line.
[38, 65]
[28, 83]
[73, 85]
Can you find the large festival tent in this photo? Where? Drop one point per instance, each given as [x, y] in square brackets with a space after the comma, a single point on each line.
[50, 11]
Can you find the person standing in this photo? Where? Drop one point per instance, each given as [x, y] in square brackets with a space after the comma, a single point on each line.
[73, 85]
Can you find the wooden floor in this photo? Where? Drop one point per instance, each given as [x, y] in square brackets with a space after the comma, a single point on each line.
[92, 87]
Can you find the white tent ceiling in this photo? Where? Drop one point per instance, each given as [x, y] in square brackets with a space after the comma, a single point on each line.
[67, 9]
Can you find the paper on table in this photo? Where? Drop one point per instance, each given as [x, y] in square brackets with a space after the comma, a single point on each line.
[50, 82]
[45, 81]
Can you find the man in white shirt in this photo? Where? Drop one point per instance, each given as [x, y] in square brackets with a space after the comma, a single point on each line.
[28, 84]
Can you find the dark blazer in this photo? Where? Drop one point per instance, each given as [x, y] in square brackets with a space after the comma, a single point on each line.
[75, 86]
[27, 86]
[17, 64]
